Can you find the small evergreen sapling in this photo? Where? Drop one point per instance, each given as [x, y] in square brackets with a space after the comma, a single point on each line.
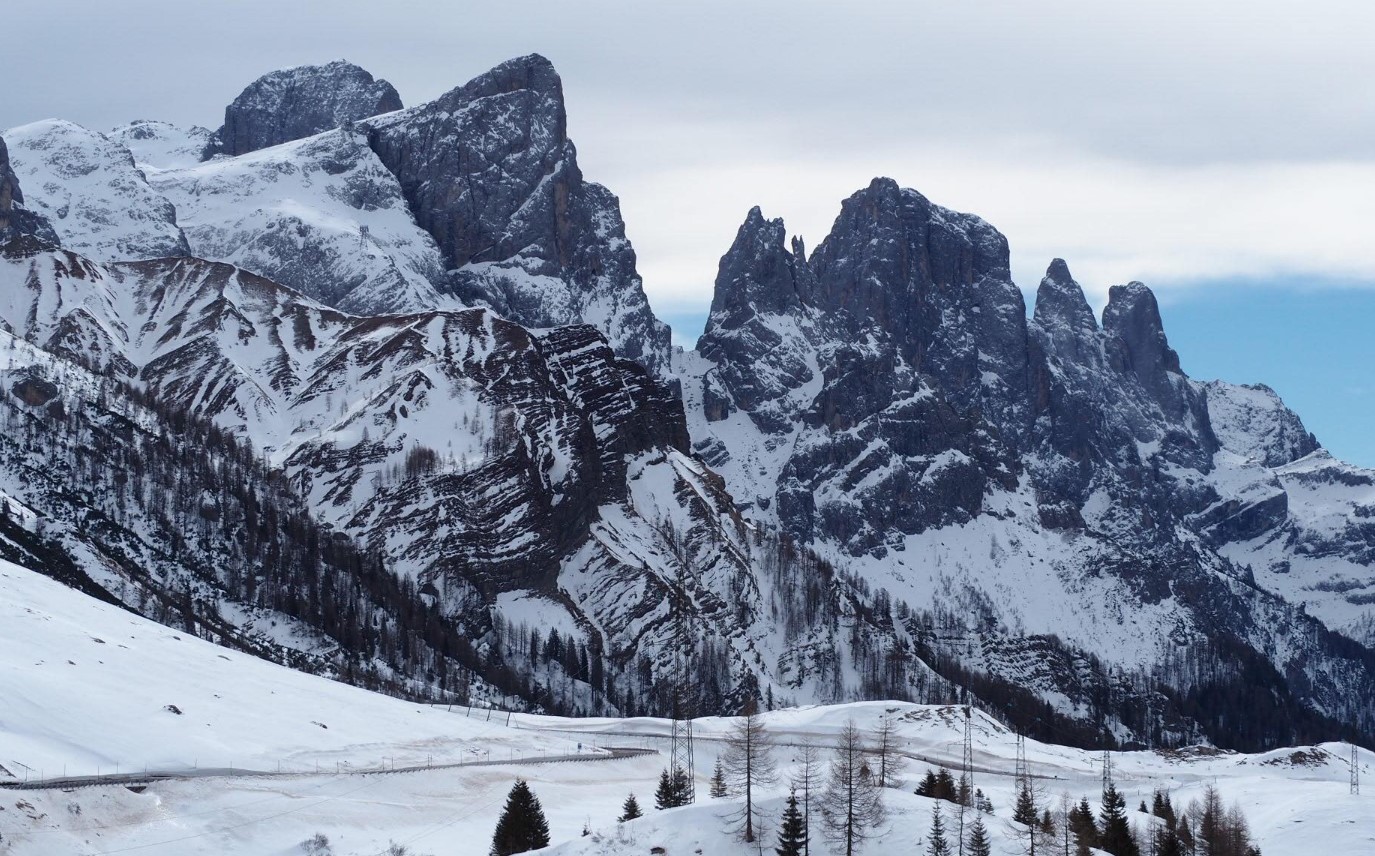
[718, 780]
[792, 832]
[630, 809]
[979, 844]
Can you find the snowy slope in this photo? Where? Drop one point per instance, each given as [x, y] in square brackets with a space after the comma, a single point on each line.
[90, 189]
[69, 663]
[236, 709]
[161, 145]
[321, 215]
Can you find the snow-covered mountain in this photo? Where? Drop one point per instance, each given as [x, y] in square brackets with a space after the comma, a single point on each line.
[886, 400]
[421, 331]
[91, 191]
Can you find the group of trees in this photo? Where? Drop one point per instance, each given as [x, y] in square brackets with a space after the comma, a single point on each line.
[1205, 828]
[848, 794]
[852, 811]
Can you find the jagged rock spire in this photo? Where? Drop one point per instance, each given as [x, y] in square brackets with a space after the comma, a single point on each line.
[1065, 316]
[487, 169]
[759, 274]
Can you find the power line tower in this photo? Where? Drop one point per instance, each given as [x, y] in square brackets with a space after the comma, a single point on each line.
[1023, 772]
[680, 736]
[967, 772]
[968, 759]
[1355, 772]
[1107, 768]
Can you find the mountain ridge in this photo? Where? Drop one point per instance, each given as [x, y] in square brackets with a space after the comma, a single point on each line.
[875, 476]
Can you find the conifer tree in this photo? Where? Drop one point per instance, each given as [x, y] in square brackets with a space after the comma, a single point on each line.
[852, 804]
[718, 780]
[979, 844]
[1116, 835]
[885, 749]
[936, 844]
[672, 790]
[807, 777]
[1085, 829]
[630, 809]
[1025, 812]
[748, 764]
[522, 825]
[792, 831]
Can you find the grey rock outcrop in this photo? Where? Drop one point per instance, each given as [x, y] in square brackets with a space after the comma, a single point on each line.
[295, 103]
[488, 170]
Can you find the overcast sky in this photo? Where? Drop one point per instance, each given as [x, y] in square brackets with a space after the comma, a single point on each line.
[1214, 150]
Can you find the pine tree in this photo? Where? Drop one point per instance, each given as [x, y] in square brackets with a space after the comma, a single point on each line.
[1085, 829]
[1116, 835]
[718, 780]
[630, 809]
[890, 763]
[979, 844]
[792, 831]
[1025, 812]
[928, 785]
[936, 843]
[672, 790]
[807, 777]
[522, 825]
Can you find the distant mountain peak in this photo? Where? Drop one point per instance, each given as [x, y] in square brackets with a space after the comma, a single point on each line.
[299, 102]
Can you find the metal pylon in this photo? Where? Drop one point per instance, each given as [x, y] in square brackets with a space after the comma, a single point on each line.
[1023, 772]
[1355, 772]
[968, 759]
[680, 756]
[1107, 768]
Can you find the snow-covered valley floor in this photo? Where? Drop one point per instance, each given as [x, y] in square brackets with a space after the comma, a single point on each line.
[86, 689]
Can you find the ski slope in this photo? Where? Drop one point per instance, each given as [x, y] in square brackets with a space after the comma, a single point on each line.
[87, 686]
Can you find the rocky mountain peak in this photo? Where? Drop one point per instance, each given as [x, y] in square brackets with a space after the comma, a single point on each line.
[295, 103]
[1064, 314]
[891, 255]
[1133, 317]
[531, 73]
[488, 171]
[758, 274]
[1251, 421]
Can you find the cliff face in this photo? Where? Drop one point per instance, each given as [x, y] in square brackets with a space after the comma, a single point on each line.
[296, 103]
[489, 172]
[16, 220]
